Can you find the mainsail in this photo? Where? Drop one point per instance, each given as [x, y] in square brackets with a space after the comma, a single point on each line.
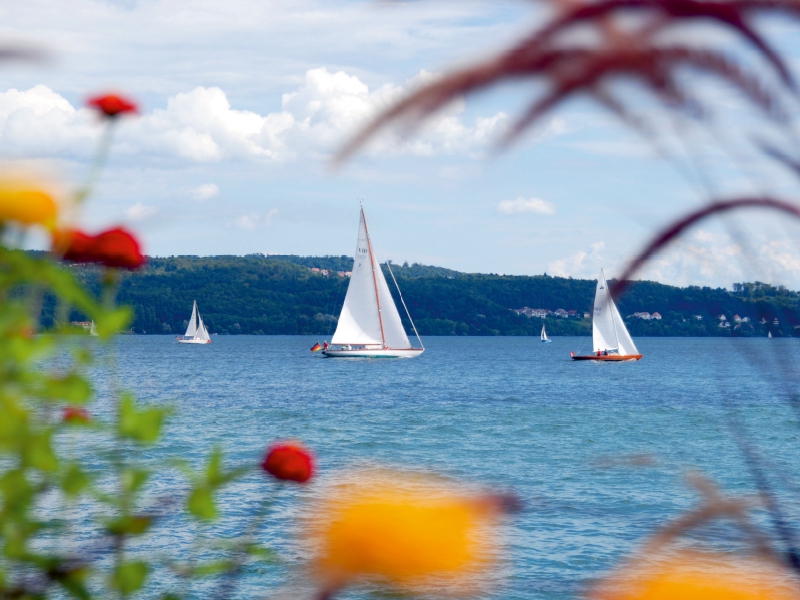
[369, 315]
[544, 334]
[608, 330]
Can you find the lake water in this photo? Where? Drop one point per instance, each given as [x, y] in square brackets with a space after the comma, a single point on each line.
[597, 451]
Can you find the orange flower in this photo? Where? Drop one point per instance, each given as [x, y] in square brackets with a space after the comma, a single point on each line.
[112, 105]
[27, 205]
[76, 414]
[697, 576]
[112, 248]
[289, 461]
[380, 532]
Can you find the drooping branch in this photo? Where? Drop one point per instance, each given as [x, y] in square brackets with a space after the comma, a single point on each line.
[677, 228]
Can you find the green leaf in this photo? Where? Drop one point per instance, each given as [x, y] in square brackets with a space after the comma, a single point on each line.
[129, 577]
[201, 503]
[71, 388]
[133, 525]
[111, 322]
[74, 481]
[37, 452]
[141, 425]
[263, 554]
[133, 479]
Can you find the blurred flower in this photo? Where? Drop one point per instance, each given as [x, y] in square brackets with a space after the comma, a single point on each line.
[112, 105]
[697, 576]
[27, 205]
[405, 538]
[289, 461]
[76, 414]
[112, 248]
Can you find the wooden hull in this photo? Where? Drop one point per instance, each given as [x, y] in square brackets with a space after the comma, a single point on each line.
[609, 358]
[377, 353]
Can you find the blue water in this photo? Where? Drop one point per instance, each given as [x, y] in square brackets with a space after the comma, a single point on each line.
[598, 452]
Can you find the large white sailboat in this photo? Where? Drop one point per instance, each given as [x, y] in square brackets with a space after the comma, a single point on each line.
[369, 325]
[610, 338]
[196, 333]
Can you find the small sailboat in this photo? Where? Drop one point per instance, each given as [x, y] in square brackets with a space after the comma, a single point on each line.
[769, 334]
[369, 325]
[93, 330]
[196, 333]
[545, 339]
[610, 338]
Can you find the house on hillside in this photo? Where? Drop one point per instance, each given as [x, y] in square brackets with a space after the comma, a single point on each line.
[561, 313]
[655, 316]
[641, 315]
[737, 318]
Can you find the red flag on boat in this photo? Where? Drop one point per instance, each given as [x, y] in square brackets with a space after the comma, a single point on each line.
[316, 347]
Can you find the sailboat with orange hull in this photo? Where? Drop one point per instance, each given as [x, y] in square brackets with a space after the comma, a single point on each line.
[610, 338]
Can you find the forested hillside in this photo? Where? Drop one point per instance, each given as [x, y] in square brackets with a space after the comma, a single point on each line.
[282, 295]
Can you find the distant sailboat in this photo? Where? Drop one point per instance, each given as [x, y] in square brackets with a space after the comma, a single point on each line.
[196, 333]
[369, 325]
[545, 339]
[93, 329]
[610, 338]
[769, 334]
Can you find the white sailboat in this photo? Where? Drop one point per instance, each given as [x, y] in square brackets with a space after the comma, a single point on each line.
[93, 330]
[769, 334]
[369, 325]
[196, 333]
[545, 339]
[610, 338]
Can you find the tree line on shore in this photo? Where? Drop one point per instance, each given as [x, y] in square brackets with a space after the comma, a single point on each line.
[258, 294]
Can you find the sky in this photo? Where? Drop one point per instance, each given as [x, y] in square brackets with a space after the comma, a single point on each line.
[243, 103]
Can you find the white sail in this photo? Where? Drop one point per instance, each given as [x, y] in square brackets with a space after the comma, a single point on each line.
[608, 330]
[192, 329]
[93, 329]
[544, 334]
[359, 322]
[202, 332]
[394, 334]
[624, 342]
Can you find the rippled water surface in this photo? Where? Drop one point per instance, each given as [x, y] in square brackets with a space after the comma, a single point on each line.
[598, 451]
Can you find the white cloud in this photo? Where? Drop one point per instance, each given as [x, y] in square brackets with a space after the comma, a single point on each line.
[582, 264]
[205, 191]
[525, 205]
[139, 211]
[256, 221]
[202, 126]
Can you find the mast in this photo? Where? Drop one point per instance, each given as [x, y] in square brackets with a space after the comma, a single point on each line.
[374, 277]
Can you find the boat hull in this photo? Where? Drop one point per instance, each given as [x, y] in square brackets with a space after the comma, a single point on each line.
[609, 358]
[546, 341]
[192, 341]
[379, 353]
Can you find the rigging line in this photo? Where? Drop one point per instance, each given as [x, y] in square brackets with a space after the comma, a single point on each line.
[399, 293]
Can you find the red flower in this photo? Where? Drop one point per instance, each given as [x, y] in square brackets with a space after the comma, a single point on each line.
[289, 461]
[76, 414]
[112, 248]
[112, 105]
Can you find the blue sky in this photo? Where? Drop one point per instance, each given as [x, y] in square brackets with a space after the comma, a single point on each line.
[244, 101]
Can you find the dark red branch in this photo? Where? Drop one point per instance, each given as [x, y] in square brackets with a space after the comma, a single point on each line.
[677, 228]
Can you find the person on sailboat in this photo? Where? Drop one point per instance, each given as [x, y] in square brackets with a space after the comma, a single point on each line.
[325, 345]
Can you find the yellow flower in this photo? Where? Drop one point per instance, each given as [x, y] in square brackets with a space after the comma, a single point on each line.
[696, 576]
[27, 205]
[404, 538]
